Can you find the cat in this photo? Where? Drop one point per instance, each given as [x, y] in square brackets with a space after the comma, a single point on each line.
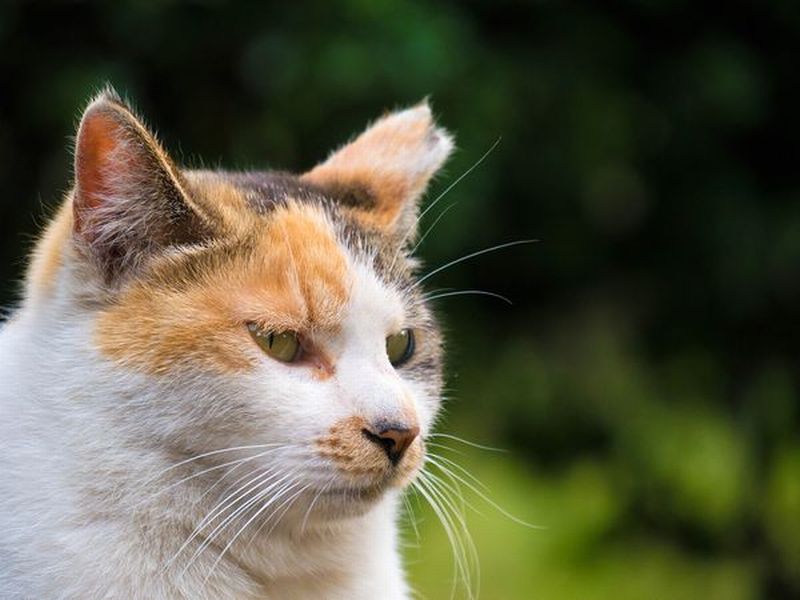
[217, 384]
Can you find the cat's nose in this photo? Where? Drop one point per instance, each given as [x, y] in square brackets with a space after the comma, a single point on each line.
[393, 438]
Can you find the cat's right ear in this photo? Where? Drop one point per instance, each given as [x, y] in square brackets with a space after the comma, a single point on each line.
[129, 198]
[381, 175]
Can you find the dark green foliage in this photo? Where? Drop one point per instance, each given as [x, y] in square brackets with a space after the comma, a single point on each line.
[645, 377]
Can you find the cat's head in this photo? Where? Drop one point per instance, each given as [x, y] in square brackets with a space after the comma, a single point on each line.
[274, 313]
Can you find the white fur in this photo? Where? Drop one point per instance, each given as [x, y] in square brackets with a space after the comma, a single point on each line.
[81, 438]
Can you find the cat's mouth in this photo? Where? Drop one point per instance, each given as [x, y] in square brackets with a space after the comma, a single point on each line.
[349, 500]
[366, 492]
[362, 490]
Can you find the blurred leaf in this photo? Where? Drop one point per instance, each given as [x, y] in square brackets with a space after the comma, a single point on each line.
[782, 507]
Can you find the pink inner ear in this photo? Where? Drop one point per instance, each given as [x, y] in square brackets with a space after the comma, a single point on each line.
[98, 160]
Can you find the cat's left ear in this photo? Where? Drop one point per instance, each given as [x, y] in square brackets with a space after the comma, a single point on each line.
[382, 173]
[130, 200]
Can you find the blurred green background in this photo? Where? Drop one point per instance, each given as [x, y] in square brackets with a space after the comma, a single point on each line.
[644, 382]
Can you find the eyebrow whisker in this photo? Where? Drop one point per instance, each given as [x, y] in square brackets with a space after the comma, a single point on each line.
[472, 255]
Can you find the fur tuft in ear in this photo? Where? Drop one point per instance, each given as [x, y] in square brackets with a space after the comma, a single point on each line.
[129, 199]
[383, 172]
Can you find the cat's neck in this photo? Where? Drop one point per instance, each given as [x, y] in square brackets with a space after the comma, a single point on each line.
[356, 559]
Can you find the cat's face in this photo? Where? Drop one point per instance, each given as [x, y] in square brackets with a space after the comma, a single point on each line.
[273, 313]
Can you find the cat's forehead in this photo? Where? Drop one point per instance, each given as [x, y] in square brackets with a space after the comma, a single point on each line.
[293, 247]
[250, 203]
[260, 191]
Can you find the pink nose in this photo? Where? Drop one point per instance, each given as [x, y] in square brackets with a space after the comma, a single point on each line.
[393, 438]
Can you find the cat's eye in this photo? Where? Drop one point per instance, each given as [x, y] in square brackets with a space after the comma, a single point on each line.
[400, 346]
[283, 346]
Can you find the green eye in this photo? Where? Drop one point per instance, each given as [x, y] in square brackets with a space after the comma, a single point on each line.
[400, 346]
[284, 347]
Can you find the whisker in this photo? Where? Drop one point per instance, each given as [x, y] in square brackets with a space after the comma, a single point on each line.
[430, 444]
[220, 480]
[427, 276]
[246, 507]
[288, 503]
[322, 490]
[412, 228]
[464, 551]
[220, 508]
[480, 494]
[437, 291]
[451, 517]
[232, 484]
[466, 293]
[465, 442]
[283, 492]
[257, 497]
[212, 453]
[431, 227]
[410, 516]
[474, 166]
[238, 462]
[446, 525]
[453, 489]
[455, 465]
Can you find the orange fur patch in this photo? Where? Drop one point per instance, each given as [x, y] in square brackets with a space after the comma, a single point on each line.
[48, 256]
[223, 203]
[288, 273]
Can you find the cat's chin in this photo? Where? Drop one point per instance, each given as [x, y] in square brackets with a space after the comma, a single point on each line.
[346, 502]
